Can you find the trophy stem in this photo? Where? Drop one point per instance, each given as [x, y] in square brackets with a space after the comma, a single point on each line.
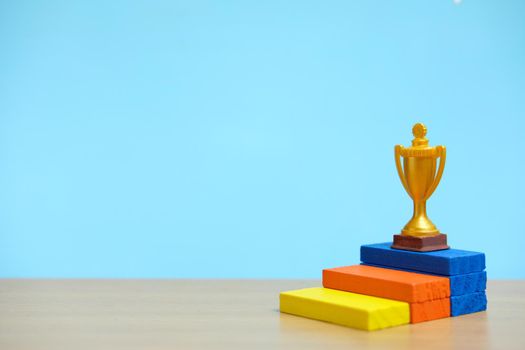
[420, 234]
[420, 209]
[420, 225]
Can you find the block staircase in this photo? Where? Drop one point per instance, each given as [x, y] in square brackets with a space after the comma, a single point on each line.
[393, 287]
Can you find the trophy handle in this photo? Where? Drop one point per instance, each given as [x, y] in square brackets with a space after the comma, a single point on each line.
[397, 154]
[442, 154]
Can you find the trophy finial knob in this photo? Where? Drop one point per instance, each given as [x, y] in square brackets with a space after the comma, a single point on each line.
[419, 130]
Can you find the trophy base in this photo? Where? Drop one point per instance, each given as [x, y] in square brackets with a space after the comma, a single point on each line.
[420, 244]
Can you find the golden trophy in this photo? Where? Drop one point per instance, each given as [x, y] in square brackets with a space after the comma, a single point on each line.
[419, 178]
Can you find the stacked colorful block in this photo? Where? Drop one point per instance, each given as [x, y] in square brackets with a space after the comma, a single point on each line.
[464, 269]
[393, 287]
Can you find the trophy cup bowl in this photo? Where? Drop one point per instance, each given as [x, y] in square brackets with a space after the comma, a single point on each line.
[420, 179]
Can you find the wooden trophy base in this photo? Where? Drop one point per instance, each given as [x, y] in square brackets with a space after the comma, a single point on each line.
[421, 244]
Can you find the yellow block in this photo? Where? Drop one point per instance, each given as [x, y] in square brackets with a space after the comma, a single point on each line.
[345, 308]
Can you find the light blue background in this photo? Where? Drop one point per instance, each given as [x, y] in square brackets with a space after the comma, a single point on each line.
[252, 138]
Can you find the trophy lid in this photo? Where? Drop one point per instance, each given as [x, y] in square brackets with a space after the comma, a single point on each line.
[420, 146]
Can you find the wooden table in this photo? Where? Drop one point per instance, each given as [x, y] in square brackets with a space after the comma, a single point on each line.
[223, 314]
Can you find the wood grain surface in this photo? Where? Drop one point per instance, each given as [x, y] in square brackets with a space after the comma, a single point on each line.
[224, 314]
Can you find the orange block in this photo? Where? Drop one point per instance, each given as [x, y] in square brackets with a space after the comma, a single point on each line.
[386, 283]
[428, 296]
[429, 310]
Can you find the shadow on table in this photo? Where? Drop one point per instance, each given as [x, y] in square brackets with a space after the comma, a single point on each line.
[445, 333]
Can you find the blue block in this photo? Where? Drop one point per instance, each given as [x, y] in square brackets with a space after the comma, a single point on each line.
[468, 283]
[459, 284]
[449, 262]
[468, 303]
